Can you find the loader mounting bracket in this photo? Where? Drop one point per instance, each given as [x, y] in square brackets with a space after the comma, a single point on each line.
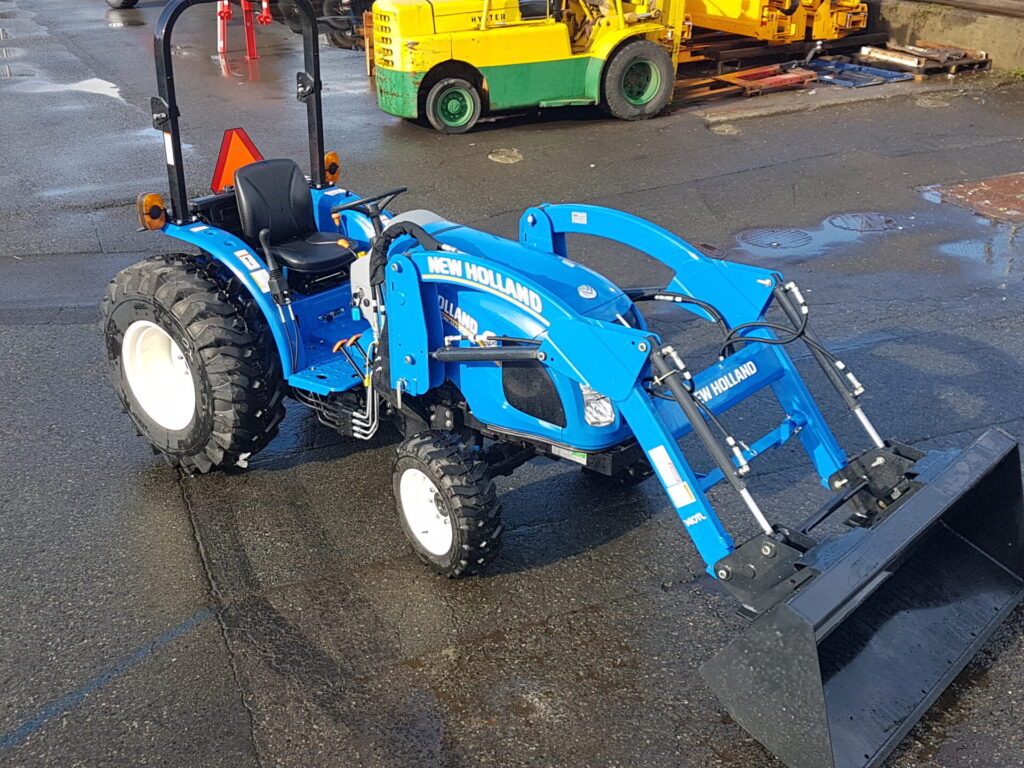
[765, 570]
[886, 476]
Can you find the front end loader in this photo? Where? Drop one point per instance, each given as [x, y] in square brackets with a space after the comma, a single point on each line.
[487, 353]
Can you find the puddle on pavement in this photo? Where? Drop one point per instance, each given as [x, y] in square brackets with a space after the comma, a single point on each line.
[836, 231]
[1001, 252]
[92, 85]
[970, 239]
[997, 245]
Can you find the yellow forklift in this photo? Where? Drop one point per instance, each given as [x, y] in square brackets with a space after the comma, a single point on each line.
[448, 62]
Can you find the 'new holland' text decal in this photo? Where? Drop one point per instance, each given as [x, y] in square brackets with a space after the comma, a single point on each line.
[727, 382]
[458, 271]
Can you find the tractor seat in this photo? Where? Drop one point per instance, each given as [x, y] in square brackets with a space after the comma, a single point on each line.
[274, 195]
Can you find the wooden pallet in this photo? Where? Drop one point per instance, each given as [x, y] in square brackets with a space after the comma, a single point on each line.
[924, 58]
[746, 82]
[774, 77]
[695, 89]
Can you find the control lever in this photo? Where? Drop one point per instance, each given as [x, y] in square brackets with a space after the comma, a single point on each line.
[278, 284]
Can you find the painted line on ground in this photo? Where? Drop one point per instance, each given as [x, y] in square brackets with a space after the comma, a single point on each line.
[11, 739]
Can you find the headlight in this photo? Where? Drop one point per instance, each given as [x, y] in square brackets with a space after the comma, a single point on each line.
[597, 409]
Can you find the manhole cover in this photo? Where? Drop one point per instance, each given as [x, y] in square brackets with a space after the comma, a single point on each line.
[864, 222]
[775, 238]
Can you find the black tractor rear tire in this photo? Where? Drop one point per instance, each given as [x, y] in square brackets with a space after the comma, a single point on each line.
[122, 4]
[464, 505]
[638, 81]
[186, 315]
[453, 105]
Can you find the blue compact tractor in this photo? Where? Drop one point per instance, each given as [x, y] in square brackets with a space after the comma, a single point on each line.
[487, 353]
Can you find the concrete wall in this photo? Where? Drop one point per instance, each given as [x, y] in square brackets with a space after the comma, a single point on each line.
[908, 21]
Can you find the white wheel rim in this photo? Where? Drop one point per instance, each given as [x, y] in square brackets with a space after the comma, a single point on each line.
[424, 512]
[158, 375]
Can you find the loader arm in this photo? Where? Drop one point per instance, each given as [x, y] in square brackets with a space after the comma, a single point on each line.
[616, 361]
[853, 636]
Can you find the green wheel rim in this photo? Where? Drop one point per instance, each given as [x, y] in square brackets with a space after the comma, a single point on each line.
[454, 107]
[640, 82]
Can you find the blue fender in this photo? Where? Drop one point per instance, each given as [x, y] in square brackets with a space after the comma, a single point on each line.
[251, 270]
[247, 266]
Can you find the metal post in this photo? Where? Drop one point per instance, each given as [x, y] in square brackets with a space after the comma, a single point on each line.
[250, 30]
[223, 15]
[165, 106]
[309, 87]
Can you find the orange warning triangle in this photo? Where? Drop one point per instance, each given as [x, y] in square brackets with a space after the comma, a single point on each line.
[236, 150]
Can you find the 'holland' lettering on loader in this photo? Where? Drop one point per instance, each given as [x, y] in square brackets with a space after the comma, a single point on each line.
[727, 382]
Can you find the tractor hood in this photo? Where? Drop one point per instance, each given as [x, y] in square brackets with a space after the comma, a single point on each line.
[584, 290]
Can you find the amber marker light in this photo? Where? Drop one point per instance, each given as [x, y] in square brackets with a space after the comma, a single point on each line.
[332, 168]
[152, 211]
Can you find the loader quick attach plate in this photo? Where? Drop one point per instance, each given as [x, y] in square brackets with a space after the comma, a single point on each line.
[835, 675]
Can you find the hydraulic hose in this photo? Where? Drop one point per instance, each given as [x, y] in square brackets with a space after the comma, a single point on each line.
[656, 294]
[379, 253]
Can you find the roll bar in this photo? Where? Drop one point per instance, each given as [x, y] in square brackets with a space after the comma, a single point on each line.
[165, 105]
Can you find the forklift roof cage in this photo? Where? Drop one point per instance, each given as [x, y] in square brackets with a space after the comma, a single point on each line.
[165, 106]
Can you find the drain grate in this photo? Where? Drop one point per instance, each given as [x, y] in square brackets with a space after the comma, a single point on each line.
[711, 251]
[865, 222]
[777, 238]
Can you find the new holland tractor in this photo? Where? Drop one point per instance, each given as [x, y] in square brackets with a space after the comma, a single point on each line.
[488, 352]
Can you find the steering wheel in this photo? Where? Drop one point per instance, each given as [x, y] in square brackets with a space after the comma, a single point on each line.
[371, 206]
[382, 200]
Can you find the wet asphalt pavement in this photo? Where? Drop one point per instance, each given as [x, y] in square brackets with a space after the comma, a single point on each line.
[276, 616]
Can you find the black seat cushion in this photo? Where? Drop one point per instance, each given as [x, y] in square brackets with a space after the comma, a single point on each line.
[274, 195]
[317, 252]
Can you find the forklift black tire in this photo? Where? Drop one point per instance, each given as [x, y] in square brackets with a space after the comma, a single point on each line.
[122, 4]
[638, 81]
[453, 105]
[183, 319]
[446, 504]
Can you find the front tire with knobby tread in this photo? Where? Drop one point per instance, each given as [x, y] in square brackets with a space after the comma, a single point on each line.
[464, 491]
[226, 344]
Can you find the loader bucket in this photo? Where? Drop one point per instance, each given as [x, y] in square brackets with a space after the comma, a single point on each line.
[835, 675]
